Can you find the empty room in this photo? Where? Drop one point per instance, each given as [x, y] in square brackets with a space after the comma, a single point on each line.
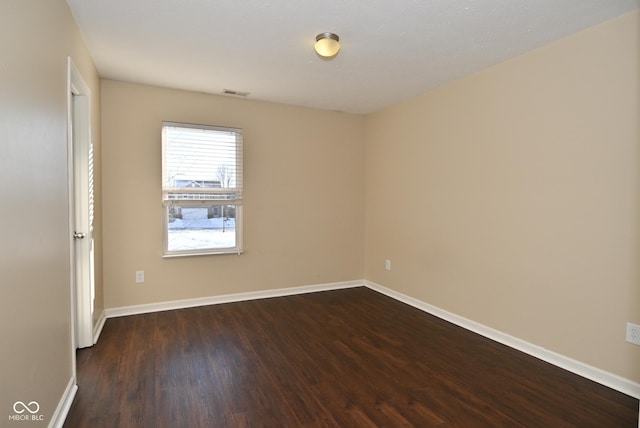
[339, 214]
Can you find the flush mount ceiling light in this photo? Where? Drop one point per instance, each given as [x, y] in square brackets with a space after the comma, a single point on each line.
[327, 44]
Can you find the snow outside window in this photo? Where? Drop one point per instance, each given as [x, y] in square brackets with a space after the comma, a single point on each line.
[201, 189]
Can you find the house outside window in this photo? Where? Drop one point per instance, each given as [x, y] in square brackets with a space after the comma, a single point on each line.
[201, 189]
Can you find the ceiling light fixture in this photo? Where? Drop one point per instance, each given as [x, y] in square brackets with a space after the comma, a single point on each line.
[327, 44]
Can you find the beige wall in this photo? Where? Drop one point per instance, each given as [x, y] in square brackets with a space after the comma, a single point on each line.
[511, 197]
[35, 39]
[303, 199]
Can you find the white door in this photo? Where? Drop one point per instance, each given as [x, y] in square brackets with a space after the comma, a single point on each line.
[81, 207]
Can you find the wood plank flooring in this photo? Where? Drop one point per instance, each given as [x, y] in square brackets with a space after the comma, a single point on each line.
[345, 358]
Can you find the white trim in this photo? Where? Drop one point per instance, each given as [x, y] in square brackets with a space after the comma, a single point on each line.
[97, 328]
[602, 377]
[60, 414]
[611, 380]
[71, 224]
[228, 298]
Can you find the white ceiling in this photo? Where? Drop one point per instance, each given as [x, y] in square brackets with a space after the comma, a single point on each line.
[391, 49]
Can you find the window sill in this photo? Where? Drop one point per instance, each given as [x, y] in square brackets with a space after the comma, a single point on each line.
[208, 253]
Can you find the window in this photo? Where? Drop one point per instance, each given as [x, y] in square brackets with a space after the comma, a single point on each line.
[201, 189]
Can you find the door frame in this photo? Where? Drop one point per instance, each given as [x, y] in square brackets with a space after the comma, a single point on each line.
[81, 267]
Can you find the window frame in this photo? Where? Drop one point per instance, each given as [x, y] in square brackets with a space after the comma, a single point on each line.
[236, 201]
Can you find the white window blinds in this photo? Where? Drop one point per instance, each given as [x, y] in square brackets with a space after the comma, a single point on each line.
[201, 163]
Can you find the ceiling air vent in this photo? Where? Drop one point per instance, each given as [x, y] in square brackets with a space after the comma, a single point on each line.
[235, 93]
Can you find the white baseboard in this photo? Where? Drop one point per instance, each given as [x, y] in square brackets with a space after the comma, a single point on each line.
[97, 328]
[613, 381]
[610, 380]
[228, 298]
[60, 414]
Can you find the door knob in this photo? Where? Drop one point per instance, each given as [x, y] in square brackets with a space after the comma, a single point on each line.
[78, 235]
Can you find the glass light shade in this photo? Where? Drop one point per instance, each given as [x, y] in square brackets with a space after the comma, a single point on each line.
[327, 44]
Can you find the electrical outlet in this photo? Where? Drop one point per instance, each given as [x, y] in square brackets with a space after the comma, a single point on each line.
[139, 276]
[633, 333]
[387, 264]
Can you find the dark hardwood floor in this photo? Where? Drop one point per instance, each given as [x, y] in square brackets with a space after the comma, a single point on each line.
[346, 358]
